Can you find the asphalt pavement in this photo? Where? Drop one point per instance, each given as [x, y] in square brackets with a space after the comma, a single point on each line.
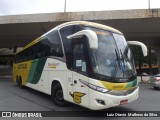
[12, 98]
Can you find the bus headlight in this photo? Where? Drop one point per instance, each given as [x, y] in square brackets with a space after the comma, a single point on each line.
[94, 87]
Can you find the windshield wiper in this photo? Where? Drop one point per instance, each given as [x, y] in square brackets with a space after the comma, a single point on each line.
[125, 65]
[118, 58]
[122, 57]
[123, 60]
[116, 68]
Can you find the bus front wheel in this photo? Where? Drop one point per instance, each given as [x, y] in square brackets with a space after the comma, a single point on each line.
[57, 95]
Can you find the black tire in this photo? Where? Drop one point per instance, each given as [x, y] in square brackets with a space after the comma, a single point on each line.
[57, 95]
[156, 88]
[20, 83]
[17, 79]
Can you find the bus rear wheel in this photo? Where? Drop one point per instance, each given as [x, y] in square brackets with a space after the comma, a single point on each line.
[57, 95]
[20, 82]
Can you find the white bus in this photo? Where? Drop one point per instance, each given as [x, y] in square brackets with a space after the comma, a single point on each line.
[81, 62]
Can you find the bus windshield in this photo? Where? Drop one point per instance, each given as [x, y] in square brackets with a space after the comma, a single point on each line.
[113, 57]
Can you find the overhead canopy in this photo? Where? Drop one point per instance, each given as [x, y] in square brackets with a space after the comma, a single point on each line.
[137, 25]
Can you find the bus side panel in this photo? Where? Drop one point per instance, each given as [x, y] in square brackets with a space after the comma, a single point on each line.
[56, 71]
[21, 70]
[43, 82]
[59, 76]
[39, 74]
[43, 72]
[14, 72]
[35, 73]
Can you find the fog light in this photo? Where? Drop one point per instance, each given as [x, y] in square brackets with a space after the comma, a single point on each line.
[100, 102]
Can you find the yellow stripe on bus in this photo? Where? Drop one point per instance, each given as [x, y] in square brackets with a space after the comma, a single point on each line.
[22, 69]
[30, 44]
[116, 86]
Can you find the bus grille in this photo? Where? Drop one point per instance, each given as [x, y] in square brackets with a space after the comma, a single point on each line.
[122, 92]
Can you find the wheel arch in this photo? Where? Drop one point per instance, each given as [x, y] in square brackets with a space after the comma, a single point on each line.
[56, 81]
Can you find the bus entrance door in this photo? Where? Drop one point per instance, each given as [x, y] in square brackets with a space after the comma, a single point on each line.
[79, 93]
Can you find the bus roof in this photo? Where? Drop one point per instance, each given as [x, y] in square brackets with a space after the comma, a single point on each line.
[86, 23]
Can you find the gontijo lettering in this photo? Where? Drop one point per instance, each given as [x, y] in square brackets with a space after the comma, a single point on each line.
[22, 66]
[52, 65]
[119, 86]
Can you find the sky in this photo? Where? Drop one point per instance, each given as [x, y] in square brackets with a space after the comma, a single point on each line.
[14, 7]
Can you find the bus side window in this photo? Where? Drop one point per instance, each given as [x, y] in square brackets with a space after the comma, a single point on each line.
[69, 30]
[40, 50]
[79, 59]
[64, 32]
[31, 53]
[53, 44]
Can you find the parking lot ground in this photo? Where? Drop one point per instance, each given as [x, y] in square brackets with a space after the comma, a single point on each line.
[12, 98]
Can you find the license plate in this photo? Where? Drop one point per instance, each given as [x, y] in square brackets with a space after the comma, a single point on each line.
[123, 102]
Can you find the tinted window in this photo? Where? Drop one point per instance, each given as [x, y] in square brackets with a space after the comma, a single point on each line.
[49, 45]
[79, 60]
[69, 30]
[53, 44]
[39, 50]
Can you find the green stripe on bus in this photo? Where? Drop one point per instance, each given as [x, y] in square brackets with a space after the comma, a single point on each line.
[36, 70]
[132, 84]
[32, 71]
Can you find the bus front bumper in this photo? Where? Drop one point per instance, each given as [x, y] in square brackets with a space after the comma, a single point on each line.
[100, 101]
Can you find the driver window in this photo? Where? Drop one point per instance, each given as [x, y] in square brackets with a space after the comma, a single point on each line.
[79, 60]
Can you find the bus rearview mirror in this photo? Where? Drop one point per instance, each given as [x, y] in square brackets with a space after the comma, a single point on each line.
[91, 35]
[143, 46]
